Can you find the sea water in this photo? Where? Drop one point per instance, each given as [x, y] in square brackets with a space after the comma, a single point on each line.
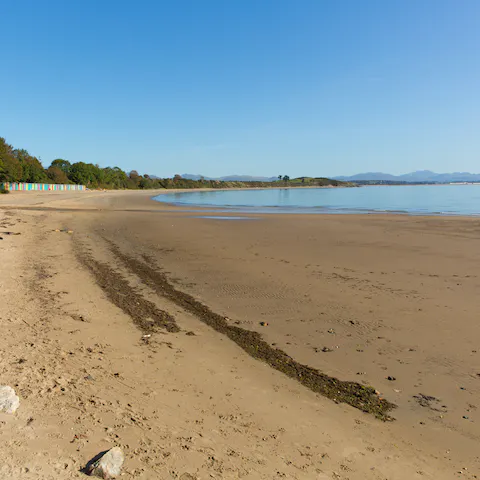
[411, 199]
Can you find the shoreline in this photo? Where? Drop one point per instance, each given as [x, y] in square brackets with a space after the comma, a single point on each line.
[41, 200]
[306, 210]
[378, 292]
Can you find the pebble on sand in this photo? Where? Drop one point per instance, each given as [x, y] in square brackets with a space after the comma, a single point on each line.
[9, 401]
[106, 465]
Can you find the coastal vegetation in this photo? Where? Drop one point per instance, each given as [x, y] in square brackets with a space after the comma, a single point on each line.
[17, 165]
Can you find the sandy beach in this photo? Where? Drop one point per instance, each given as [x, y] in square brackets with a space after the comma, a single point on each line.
[137, 329]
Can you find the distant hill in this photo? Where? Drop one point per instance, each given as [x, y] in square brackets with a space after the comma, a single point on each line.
[230, 178]
[368, 176]
[247, 178]
[418, 176]
[191, 176]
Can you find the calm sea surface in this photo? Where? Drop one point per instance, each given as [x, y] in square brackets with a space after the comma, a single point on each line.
[424, 199]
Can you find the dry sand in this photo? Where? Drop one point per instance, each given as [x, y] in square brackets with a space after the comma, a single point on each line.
[390, 296]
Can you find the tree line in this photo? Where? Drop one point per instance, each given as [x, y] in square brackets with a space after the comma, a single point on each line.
[17, 165]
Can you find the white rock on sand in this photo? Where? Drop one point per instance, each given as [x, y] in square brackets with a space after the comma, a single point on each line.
[9, 401]
[109, 465]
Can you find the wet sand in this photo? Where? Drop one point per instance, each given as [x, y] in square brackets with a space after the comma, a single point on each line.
[380, 301]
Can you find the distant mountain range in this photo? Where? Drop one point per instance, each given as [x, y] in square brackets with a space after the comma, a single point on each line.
[230, 178]
[419, 176]
[413, 177]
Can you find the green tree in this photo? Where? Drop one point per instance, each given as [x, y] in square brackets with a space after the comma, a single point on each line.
[286, 178]
[134, 178]
[144, 183]
[63, 165]
[83, 173]
[99, 174]
[32, 169]
[115, 178]
[10, 168]
[56, 175]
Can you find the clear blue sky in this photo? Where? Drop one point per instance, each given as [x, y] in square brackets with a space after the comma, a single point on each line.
[261, 87]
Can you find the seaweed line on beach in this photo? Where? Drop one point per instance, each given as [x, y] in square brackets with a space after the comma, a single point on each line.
[359, 396]
[144, 313]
